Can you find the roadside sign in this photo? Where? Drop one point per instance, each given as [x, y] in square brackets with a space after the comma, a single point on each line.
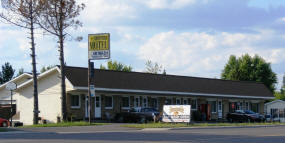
[11, 86]
[92, 90]
[176, 113]
[98, 46]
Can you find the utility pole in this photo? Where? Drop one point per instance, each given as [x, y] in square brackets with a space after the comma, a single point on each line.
[11, 112]
[11, 86]
[90, 83]
[89, 93]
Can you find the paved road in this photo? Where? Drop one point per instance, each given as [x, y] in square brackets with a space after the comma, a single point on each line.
[109, 134]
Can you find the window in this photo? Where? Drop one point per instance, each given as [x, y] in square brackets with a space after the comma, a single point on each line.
[274, 113]
[155, 103]
[125, 102]
[238, 106]
[255, 107]
[246, 106]
[220, 106]
[281, 113]
[108, 102]
[213, 106]
[137, 102]
[193, 104]
[145, 103]
[168, 101]
[97, 102]
[185, 101]
[178, 101]
[74, 101]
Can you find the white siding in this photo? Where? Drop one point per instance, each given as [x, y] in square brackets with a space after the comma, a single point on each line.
[5, 94]
[276, 105]
[49, 100]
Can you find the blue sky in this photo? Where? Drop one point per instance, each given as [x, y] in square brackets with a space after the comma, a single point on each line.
[187, 37]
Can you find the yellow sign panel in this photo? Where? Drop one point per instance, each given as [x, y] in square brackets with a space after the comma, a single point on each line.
[99, 46]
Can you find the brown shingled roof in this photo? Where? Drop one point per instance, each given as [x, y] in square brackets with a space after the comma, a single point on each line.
[158, 82]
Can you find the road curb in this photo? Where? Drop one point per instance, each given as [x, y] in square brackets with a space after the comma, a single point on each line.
[216, 127]
[155, 129]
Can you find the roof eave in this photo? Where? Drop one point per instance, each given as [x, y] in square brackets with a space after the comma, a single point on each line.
[173, 93]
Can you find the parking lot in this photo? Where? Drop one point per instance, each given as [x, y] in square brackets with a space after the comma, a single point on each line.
[115, 133]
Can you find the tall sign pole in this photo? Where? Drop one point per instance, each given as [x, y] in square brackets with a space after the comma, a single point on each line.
[11, 86]
[98, 48]
[89, 95]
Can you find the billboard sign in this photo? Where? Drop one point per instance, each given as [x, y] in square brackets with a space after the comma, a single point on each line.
[98, 46]
[176, 113]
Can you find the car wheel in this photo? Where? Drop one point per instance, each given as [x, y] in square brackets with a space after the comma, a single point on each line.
[5, 124]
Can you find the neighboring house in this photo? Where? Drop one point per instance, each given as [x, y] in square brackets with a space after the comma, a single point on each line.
[5, 96]
[276, 110]
[121, 91]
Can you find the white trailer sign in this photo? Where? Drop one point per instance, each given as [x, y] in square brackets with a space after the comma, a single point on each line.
[176, 113]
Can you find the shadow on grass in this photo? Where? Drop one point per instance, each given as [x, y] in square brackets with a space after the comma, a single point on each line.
[8, 129]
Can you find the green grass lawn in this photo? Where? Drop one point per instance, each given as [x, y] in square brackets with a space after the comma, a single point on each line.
[65, 124]
[179, 125]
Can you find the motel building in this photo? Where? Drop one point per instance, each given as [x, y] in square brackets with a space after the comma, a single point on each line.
[116, 92]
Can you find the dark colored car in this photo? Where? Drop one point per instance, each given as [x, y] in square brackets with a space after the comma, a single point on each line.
[4, 122]
[142, 115]
[245, 116]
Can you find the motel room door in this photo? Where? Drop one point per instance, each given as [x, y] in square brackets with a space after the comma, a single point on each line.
[220, 109]
[97, 106]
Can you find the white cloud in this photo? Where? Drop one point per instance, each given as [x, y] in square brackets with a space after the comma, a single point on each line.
[282, 19]
[196, 53]
[167, 4]
[106, 10]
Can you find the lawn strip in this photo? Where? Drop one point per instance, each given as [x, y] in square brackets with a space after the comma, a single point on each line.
[65, 124]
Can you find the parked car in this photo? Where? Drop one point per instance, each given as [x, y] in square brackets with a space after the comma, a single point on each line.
[245, 116]
[138, 115]
[4, 122]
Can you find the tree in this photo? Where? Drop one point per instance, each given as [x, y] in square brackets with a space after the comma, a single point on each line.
[46, 68]
[153, 67]
[116, 66]
[24, 14]
[20, 72]
[279, 96]
[56, 18]
[247, 68]
[164, 72]
[1, 80]
[7, 73]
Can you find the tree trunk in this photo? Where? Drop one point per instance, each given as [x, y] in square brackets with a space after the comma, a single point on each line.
[62, 64]
[33, 55]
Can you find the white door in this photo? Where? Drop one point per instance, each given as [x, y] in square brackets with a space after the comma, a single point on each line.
[97, 106]
[86, 107]
[220, 109]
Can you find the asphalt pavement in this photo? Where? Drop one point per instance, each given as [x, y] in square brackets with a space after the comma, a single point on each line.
[115, 133]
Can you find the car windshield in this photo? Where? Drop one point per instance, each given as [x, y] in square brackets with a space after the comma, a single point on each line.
[239, 111]
[249, 112]
[149, 110]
